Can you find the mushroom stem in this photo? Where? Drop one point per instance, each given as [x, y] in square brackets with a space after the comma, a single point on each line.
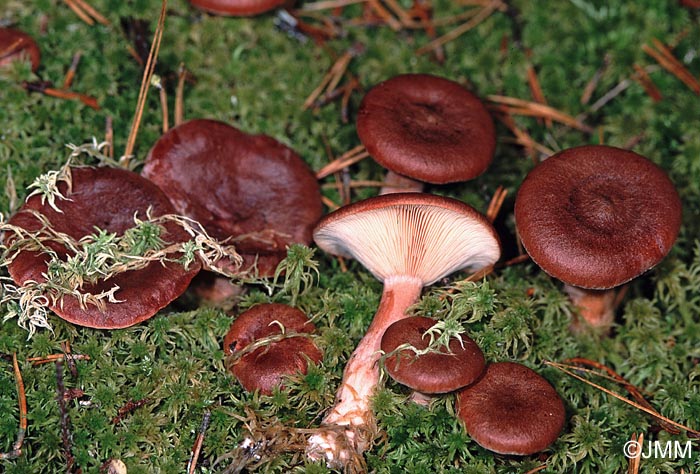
[349, 427]
[398, 183]
[596, 307]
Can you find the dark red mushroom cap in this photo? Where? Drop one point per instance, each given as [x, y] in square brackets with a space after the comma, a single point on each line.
[236, 7]
[247, 187]
[427, 128]
[107, 198]
[263, 368]
[434, 372]
[597, 216]
[511, 410]
[16, 45]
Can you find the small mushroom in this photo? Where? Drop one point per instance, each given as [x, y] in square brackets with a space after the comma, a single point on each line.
[511, 410]
[449, 369]
[236, 7]
[596, 217]
[407, 241]
[265, 367]
[107, 198]
[426, 128]
[16, 45]
[248, 188]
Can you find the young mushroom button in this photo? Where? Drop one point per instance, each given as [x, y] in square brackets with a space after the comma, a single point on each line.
[596, 217]
[107, 198]
[249, 188]
[445, 370]
[511, 410]
[426, 128]
[407, 241]
[263, 366]
[16, 45]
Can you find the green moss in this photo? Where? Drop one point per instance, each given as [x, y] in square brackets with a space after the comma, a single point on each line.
[257, 78]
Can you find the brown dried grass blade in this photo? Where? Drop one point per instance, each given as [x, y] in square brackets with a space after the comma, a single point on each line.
[145, 84]
[482, 14]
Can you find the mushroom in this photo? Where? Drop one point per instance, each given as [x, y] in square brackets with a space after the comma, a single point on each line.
[264, 367]
[450, 368]
[426, 128]
[249, 188]
[15, 45]
[407, 241]
[106, 198]
[236, 7]
[511, 410]
[596, 217]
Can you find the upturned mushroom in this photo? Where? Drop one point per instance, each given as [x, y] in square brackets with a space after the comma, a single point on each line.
[595, 217]
[511, 410]
[248, 188]
[264, 366]
[237, 7]
[105, 198]
[448, 368]
[407, 241]
[426, 128]
[16, 45]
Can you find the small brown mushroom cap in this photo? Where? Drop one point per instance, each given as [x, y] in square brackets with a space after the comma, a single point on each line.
[264, 368]
[597, 216]
[107, 198]
[427, 128]
[16, 45]
[250, 188]
[434, 372]
[236, 7]
[410, 234]
[511, 410]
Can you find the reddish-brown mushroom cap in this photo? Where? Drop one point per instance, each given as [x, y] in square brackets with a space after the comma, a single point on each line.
[236, 7]
[434, 372]
[250, 188]
[427, 128]
[410, 234]
[16, 45]
[511, 410]
[597, 216]
[107, 198]
[264, 368]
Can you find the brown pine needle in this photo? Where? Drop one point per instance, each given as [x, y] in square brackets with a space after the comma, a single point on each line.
[70, 74]
[62, 94]
[332, 78]
[179, 94]
[55, 358]
[564, 368]
[400, 13]
[635, 461]
[197, 448]
[515, 106]
[22, 400]
[537, 469]
[163, 95]
[663, 55]
[496, 203]
[145, 82]
[593, 82]
[328, 5]
[79, 11]
[109, 137]
[523, 138]
[515, 260]
[536, 91]
[91, 11]
[356, 184]
[482, 14]
[384, 14]
[346, 159]
[329, 204]
[643, 78]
